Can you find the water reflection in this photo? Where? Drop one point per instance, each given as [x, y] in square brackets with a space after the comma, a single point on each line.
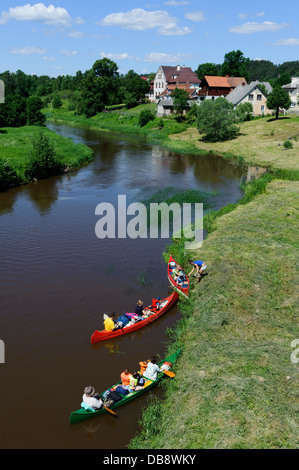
[43, 194]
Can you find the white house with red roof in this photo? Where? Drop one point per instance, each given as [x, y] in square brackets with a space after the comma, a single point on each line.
[172, 76]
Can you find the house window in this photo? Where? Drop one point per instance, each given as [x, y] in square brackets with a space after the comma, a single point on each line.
[262, 109]
[162, 84]
[259, 97]
[250, 97]
[160, 75]
[293, 104]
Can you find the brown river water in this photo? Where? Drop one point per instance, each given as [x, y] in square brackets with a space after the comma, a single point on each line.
[57, 278]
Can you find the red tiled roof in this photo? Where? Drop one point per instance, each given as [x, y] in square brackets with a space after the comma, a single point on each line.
[184, 75]
[215, 81]
[236, 81]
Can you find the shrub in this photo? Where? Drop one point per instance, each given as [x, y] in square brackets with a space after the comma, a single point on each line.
[145, 116]
[43, 161]
[8, 175]
[288, 144]
[216, 119]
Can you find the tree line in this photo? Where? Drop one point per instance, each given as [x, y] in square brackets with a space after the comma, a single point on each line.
[87, 93]
[236, 65]
[90, 92]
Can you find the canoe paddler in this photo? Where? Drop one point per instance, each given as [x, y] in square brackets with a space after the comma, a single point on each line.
[91, 399]
[109, 322]
[199, 265]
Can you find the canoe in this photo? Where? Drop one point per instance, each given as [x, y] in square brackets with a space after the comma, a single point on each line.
[184, 291]
[82, 414]
[166, 303]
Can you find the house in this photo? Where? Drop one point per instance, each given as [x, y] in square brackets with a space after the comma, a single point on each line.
[212, 86]
[165, 107]
[250, 94]
[173, 75]
[190, 89]
[293, 90]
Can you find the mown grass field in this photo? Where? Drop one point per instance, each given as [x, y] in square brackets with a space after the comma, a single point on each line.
[260, 142]
[15, 144]
[235, 384]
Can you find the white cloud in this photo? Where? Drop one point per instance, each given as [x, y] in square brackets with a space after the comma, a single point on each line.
[243, 16]
[76, 34]
[140, 20]
[174, 3]
[27, 50]
[39, 12]
[287, 42]
[49, 58]
[162, 57]
[121, 56]
[195, 16]
[68, 53]
[79, 20]
[253, 27]
[260, 14]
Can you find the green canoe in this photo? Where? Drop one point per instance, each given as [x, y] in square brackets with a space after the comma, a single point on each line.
[82, 414]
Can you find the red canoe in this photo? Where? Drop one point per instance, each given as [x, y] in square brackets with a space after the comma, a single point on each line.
[165, 303]
[181, 290]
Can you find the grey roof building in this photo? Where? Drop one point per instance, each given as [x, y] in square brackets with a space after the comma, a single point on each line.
[249, 94]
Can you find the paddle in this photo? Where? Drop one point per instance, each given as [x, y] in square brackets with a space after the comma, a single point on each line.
[169, 373]
[109, 411]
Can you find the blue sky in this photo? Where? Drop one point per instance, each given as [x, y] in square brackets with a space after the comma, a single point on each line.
[61, 37]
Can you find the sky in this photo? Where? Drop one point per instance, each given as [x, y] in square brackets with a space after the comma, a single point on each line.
[61, 37]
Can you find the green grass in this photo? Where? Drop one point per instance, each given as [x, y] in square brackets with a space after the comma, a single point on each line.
[235, 385]
[15, 144]
[259, 142]
[123, 121]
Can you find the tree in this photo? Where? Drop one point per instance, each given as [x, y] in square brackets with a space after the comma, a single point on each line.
[13, 111]
[135, 87]
[180, 101]
[207, 68]
[145, 116]
[57, 103]
[34, 115]
[42, 161]
[244, 111]
[216, 119]
[261, 70]
[235, 65]
[279, 98]
[100, 87]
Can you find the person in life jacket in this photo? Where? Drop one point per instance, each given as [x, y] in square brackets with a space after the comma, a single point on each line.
[143, 366]
[156, 302]
[125, 378]
[136, 382]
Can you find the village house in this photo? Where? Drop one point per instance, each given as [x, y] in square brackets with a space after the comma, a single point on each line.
[211, 87]
[293, 90]
[166, 106]
[172, 76]
[250, 94]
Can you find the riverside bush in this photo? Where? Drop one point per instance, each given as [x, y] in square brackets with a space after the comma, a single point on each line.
[8, 175]
[145, 116]
[216, 119]
[43, 161]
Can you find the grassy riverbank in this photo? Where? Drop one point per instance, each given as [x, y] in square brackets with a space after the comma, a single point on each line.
[235, 384]
[16, 146]
[259, 142]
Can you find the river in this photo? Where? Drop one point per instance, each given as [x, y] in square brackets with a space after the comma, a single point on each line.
[57, 278]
